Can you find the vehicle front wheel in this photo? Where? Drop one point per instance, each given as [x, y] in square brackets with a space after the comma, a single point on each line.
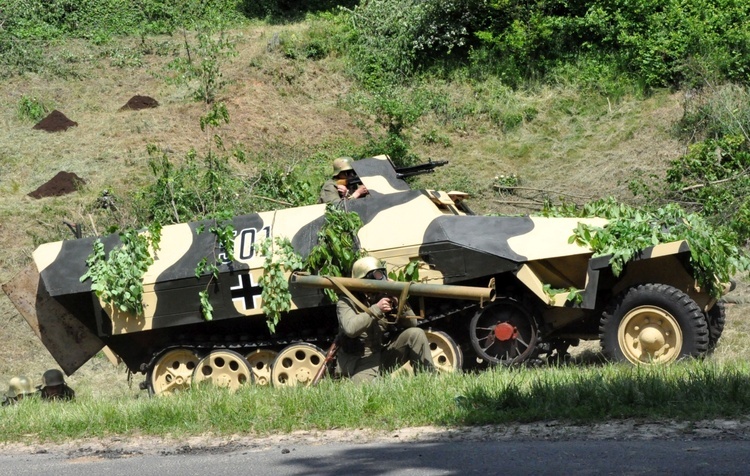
[716, 317]
[653, 323]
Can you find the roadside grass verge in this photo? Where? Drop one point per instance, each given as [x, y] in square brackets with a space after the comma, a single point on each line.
[688, 391]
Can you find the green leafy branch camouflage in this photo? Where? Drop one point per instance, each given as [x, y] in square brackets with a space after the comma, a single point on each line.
[118, 278]
[223, 231]
[574, 294]
[280, 259]
[714, 255]
[338, 246]
[407, 273]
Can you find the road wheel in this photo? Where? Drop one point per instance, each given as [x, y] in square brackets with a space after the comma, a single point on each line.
[223, 368]
[504, 332]
[446, 354]
[296, 364]
[260, 361]
[653, 323]
[716, 317]
[173, 372]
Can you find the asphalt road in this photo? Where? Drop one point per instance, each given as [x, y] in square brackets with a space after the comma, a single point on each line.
[663, 457]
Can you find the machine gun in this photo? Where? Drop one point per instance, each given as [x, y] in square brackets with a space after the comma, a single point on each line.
[419, 169]
[352, 183]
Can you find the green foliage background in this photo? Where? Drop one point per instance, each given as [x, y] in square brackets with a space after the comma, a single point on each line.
[651, 43]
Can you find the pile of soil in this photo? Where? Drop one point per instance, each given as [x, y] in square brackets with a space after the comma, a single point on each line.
[140, 102]
[54, 122]
[61, 184]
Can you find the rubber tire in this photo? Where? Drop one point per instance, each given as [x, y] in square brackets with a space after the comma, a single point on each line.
[716, 318]
[682, 308]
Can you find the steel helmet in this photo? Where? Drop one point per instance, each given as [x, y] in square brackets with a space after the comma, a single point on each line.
[20, 386]
[362, 266]
[52, 377]
[342, 164]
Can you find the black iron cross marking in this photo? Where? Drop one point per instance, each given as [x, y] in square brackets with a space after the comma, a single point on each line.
[246, 290]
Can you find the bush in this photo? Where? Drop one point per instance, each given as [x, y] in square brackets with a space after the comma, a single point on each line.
[31, 109]
[18, 56]
[392, 39]
[712, 177]
[644, 42]
[48, 19]
[715, 111]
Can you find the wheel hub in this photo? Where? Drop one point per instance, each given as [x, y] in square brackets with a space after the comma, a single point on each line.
[446, 354]
[505, 332]
[651, 339]
[296, 364]
[303, 376]
[223, 368]
[649, 334]
[173, 371]
[260, 365]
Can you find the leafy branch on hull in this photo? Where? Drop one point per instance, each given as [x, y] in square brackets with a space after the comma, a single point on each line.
[280, 259]
[714, 255]
[118, 277]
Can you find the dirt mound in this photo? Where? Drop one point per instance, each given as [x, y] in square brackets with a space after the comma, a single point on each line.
[139, 102]
[61, 184]
[54, 122]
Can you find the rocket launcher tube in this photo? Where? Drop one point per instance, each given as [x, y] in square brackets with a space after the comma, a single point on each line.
[446, 291]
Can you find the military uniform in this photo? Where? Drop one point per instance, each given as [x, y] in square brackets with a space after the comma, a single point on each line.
[364, 352]
[65, 393]
[329, 193]
[342, 170]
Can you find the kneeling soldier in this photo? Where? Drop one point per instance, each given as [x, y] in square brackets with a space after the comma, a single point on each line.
[367, 349]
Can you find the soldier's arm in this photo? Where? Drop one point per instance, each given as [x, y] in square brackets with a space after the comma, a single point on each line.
[354, 323]
[329, 193]
[409, 319]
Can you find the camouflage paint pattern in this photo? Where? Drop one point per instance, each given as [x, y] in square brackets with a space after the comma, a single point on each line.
[399, 225]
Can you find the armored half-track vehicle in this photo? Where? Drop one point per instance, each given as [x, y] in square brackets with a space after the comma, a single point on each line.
[485, 297]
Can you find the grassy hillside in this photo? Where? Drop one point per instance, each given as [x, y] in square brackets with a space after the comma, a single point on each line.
[291, 112]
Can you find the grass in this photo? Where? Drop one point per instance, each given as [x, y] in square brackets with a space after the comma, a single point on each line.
[689, 391]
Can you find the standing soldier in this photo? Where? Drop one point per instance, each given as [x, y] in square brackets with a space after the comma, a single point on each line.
[54, 387]
[366, 349]
[336, 189]
[18, 388]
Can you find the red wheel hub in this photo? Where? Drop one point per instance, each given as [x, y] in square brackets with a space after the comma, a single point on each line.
[505, 332]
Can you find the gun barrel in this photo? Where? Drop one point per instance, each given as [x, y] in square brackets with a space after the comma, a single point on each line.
[419, 169]
[446, 291]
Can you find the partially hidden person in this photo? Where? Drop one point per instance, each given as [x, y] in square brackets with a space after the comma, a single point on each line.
[19, 388]
[339, 187]
[370, 344]
[53, 386]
